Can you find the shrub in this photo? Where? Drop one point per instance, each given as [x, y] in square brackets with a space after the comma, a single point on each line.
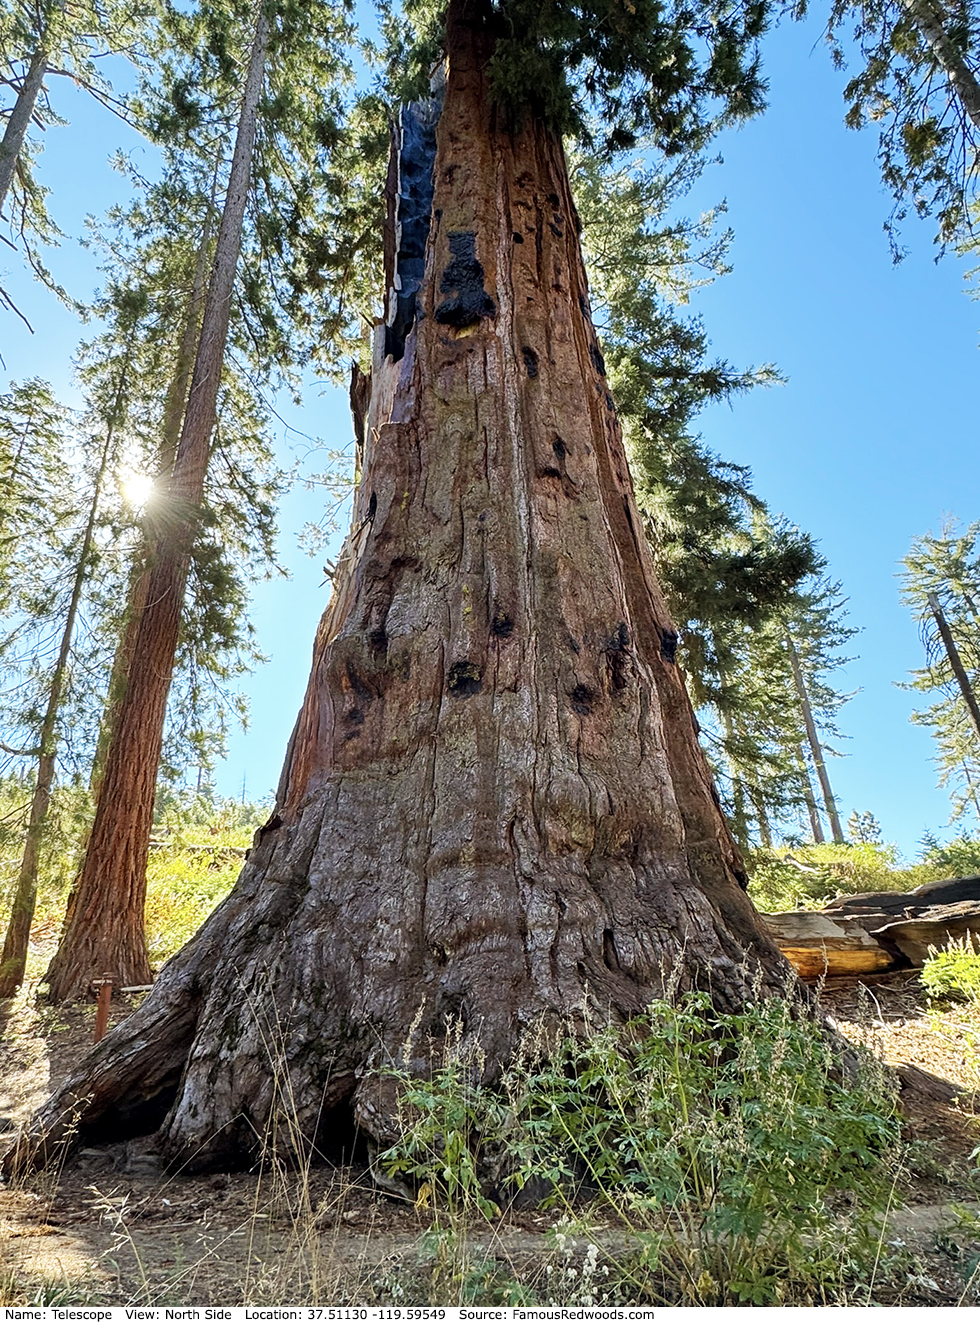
[199, 840]
[807, 876]
[182, 889]
[959, 858]
[954, 972]
[745, 1170]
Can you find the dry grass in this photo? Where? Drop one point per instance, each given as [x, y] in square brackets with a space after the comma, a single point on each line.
[113, 1228]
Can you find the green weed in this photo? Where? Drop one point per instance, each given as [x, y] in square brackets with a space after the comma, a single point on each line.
[953, 973]
[741, 1168]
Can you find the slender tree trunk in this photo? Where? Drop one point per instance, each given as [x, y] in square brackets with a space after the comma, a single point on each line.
[739, 815]
[12, 143]
[971, 788]
[104, 925]
[947, 55]
[816, 749]
[139, 579]
[816, 826]
[959, 670]
[761, 816]
[14, 958]
[494, 810]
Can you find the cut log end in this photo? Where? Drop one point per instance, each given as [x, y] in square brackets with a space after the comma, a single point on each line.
[880, 931]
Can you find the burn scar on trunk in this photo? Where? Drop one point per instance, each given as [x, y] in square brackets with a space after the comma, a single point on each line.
[463, 281]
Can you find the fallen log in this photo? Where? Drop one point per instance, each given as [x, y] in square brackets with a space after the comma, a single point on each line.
[233, 851]
[878, 931]
[819, 946]
[955, 890]
[932, 929]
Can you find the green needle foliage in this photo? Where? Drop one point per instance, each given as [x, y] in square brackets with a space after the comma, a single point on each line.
[41, 41]
[948, 565]
[735, 578]
[313, 219]
[609, 72]
[918, 79]
[46, 476]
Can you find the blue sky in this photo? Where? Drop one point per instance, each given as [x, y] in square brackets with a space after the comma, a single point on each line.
[869, 443]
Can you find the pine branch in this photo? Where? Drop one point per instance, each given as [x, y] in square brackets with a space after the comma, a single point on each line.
[20, 752]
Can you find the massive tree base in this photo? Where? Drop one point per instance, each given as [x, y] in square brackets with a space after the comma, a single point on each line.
[494, 808]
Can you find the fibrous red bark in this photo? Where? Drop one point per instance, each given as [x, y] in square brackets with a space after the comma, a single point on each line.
[494, 807]
[103, 932]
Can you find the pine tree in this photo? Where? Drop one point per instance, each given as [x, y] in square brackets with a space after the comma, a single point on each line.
[730, 574]
[41, 40]
[104, 925]
[941, 585]
[38, 510]
[919, 80]
[14, 957]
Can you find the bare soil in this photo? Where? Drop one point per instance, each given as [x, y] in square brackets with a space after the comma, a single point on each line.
[112, 1227]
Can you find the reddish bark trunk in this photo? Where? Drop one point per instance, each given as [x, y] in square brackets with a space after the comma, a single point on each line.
[103, 931]
[139, 580]
[494, 807]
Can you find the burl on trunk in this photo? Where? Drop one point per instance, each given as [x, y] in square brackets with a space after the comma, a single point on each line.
[494, 807]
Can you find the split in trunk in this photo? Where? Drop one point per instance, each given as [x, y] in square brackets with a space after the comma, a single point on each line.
[494, 810]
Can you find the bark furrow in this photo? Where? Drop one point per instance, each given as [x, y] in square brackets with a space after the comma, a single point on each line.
[494, 808]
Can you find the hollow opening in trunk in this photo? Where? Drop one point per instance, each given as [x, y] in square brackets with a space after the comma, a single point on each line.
[131, 1118]
[339, 1139]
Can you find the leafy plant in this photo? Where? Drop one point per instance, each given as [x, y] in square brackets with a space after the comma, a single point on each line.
[199, 841]
[744, 1167]
[959, 857]
[807, 876]
[954, 972]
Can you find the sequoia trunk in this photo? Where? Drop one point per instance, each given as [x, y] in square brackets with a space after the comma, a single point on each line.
[494, 808]
[104, 926]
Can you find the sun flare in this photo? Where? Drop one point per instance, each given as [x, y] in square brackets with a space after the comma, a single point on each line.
[137, 489]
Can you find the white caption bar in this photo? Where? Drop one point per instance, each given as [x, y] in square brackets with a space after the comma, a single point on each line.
[474, 1313]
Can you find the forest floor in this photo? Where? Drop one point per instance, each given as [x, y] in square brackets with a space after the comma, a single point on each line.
[111, 1227]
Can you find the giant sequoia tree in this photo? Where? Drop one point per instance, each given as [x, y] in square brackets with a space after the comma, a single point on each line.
[494, 808]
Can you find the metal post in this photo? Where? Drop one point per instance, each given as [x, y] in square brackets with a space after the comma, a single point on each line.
[102, 1009]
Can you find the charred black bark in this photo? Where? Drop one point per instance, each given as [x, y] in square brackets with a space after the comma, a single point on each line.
[494, 810]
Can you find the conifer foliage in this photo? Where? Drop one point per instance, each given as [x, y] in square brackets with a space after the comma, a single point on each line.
[104, 925]
[918, 79]
[760, 629]
[941, 586]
